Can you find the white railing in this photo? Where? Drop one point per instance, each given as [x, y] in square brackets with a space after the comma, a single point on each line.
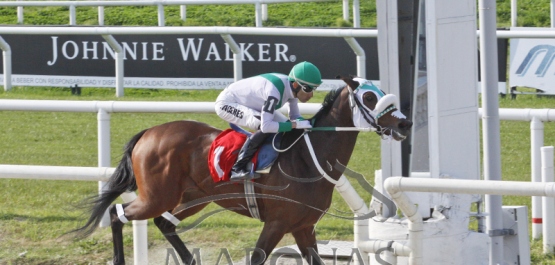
[105, 108]
[260, 7]
[536, 117]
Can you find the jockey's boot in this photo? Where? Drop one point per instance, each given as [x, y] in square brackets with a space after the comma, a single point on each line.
[239, 171]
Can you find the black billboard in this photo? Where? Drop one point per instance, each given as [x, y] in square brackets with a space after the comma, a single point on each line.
[176, 61]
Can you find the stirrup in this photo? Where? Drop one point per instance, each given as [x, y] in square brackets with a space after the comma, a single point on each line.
[239, 175]
[242, 173]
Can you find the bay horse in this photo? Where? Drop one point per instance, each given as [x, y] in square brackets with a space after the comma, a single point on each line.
[167, 165]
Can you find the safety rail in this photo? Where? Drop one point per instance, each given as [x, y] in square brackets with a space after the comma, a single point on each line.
[261, 7]
[105, 108]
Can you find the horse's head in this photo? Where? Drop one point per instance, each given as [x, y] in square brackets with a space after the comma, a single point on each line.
[371, 107]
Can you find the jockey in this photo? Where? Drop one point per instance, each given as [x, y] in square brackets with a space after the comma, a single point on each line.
[252, 103]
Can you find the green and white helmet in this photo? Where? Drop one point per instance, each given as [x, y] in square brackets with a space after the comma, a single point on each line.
[307, 74]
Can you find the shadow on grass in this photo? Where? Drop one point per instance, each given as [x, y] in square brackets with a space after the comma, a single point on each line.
[49, 219]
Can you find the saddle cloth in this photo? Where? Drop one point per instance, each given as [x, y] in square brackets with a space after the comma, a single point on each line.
[225, 150]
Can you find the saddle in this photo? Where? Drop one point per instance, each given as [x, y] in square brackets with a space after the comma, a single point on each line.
[225, 150]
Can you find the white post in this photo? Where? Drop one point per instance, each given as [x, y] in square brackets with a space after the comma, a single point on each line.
[72, 19]
[161, 17]
[237, 57]
[361, 56]
[536, 140]
[264, 12]
[258, 14]
[140, 242]
[101, 16]
[103, 119]
[552, 13]
[140, 235]
[513, 13]
[183, 12]
[119, 63]
[346, 10]
[7, 63]
[548, 202]
[356, 14]
[19, 14]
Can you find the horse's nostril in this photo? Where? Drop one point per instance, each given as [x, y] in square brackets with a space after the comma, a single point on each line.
[405, 124]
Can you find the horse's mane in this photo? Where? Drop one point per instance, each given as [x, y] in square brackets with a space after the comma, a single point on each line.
[290, 137]
[327, 104]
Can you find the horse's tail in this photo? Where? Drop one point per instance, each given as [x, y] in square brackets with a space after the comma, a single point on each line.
[123, 180]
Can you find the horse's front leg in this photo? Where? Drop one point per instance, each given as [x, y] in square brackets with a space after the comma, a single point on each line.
[306, 241]
[270, 236]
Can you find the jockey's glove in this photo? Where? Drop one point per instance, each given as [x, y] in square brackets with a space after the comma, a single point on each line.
[303, 124]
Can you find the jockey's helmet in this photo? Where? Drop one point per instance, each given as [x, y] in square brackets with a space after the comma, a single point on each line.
[306, 74]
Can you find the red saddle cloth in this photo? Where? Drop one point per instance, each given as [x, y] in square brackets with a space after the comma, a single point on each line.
[224, 152]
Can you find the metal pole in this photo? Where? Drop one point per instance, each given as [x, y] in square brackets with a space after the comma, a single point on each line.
[119, 63]
[161, 18]
[552, 13]
[183, 12]
[72, 19]
[346, 10]
[514, 9]
[548, 202]
[490, 124]
[237, 57]
[356, 14]
[101, 16]
[19, 14]
[258, 14]
[7, 63]
[536, 141]
[103, 119]
[361, 56]
[264, 12]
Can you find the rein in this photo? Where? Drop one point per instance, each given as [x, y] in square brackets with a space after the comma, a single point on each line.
[313, 156]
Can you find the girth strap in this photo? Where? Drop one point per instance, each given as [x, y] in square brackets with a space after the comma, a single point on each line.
[250, 197]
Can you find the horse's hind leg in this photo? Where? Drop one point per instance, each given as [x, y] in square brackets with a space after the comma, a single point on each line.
[167, 227]
[117, 235]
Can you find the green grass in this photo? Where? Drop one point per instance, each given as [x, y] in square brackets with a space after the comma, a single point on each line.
[35, 214]
[69, 139]
[34, 226]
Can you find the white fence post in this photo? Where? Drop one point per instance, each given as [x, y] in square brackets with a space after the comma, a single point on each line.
[356, 14]
[552, 6]
[237, 57]
[72, 16]
[548, 202]
[19, 14]
[536, 140]
[161, 16]
[7, 63]
[258, 14]
[103, 119]
[346, 10]
[513, 13]
[101, 16]
[183, 12]
[119, 63]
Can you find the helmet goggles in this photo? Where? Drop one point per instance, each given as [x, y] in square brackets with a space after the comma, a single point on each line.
[306, 88]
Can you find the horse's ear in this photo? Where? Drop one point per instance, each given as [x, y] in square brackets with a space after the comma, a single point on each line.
[349, 81]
